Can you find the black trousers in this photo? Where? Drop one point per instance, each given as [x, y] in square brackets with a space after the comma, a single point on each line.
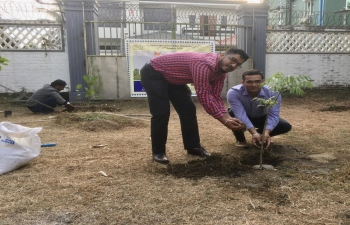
[160, 93]
[282, 127]
[49, 101]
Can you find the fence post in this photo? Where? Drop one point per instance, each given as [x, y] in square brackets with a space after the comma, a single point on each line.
[75, 40]
[253, 40]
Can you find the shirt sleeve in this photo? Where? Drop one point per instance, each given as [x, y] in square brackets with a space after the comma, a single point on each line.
[217, 89]
[274, 114]
[233, 98]
[58, 98]
[208, 93]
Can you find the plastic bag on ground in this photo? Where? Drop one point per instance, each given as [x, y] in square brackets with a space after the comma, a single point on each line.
[18, 146]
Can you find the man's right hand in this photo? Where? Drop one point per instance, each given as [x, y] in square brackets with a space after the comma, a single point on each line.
[69, 107]
[235, 124]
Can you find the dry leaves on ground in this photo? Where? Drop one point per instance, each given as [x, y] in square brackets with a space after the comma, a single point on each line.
[100, 171]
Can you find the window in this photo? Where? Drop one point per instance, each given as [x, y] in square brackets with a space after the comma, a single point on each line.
[223, 21]
[206, 28]
[308, 7]
[109, 12]
[160, 15]
[192, 20]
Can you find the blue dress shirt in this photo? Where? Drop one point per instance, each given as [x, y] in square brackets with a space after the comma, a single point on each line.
[243, 107]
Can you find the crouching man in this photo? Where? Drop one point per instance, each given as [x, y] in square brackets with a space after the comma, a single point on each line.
[242, 107]
[45, 99]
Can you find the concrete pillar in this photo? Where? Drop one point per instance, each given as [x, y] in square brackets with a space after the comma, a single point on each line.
[253, 40]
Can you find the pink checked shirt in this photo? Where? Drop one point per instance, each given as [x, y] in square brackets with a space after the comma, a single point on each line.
[200, 69]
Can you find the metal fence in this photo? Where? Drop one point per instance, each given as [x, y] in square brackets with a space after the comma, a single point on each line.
[117, 22]
[315, 20]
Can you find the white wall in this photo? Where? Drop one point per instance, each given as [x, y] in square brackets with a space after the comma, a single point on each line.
[324, 69]
[31, 70]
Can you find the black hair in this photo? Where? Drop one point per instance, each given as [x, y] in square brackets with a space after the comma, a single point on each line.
[58, 83]
[252, 72]
[240, 52]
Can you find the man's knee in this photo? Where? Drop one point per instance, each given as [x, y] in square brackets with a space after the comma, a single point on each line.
[286, 127]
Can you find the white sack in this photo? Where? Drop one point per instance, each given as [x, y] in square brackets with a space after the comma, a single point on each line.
[18, 145]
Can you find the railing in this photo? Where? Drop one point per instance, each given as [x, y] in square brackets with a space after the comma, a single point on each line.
[119, 21]
[316, 19]
[163, 13]
[112, 35]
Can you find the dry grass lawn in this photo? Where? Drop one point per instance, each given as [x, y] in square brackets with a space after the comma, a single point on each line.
[65, 185]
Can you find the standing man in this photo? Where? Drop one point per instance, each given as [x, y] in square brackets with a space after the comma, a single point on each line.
[45, 99]
[165, 80]
[247, 110]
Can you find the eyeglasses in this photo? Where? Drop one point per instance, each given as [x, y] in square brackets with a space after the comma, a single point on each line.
[235, 61]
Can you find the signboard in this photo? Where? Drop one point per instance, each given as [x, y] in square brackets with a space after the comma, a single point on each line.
[140, 51]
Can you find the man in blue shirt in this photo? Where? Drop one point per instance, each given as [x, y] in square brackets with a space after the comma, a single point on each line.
[250, 114]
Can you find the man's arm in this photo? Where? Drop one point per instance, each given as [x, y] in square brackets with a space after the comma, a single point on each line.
[274, 113]
[234, 100]
[54, 93]
[207, 91]
[209, 95]
[62, 101]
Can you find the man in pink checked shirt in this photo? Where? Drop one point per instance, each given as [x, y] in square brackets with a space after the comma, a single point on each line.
[165, 80]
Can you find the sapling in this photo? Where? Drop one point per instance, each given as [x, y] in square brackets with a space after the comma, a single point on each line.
[91, 82]
[280, 84]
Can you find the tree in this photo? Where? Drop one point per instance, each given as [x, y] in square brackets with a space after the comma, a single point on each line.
[281, 84]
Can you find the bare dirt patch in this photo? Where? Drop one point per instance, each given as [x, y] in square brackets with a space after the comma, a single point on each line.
[100, 171]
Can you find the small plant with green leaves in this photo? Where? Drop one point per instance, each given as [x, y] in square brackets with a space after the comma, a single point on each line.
[92, 83]
[3, 61]
[281, 84]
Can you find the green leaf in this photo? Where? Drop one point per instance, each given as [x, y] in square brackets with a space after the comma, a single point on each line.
[294, 84]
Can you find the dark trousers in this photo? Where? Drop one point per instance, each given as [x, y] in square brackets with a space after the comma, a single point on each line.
[160, 93]
[282, 127]
[49, 101]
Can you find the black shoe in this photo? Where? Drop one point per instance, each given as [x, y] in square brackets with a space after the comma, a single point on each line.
[160, 158]
[198, 151]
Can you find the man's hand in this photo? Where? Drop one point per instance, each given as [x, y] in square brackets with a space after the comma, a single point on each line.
[234, 124]
[258, 138]
[69, 107]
